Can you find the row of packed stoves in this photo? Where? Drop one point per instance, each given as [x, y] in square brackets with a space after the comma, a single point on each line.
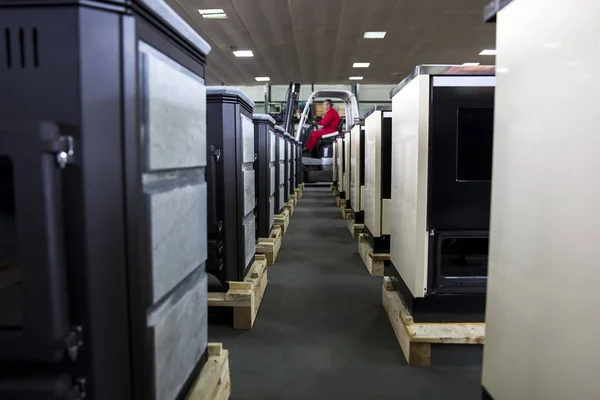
[418, 176]
[125, 186]
[253, 167]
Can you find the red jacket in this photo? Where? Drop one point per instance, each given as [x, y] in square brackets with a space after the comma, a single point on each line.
[331, 120]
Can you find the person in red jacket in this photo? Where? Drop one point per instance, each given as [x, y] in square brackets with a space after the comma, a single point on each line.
[329, 123]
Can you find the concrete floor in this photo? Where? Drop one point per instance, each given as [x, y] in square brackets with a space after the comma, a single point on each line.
[322, 333]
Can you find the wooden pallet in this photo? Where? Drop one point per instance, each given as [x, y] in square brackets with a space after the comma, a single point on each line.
[375, 262]
[339, 201]
[245, 297]
[293, 199]
[346, 211]
[282, 220]
[354, 228]
[416, 338]
[290, 207]
[299, 194]
[214, 381]
[270, 246]
[333, 188]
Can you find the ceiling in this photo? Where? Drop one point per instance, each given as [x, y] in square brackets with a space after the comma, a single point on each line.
[316, 41]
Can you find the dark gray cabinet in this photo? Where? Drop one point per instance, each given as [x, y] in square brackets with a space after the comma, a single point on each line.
[232, 197]
[102, 201]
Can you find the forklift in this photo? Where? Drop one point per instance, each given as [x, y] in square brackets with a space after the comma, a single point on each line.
[318, 166]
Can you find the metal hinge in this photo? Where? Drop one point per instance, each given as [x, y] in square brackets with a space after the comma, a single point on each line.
[216, 153]
[66, 151]
[74, 342]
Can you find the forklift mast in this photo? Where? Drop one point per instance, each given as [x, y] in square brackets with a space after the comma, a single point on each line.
[293, 94]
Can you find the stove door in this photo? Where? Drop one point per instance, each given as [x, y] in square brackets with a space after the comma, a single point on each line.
[460, 153]
[34, 320]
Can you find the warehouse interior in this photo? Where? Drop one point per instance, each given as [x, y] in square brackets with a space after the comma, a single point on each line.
[299, 199]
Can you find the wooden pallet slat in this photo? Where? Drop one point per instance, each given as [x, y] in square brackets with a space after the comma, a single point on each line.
[375, 262]
[289, 206]
[292, 199]
[346, 212]
[214, 380]
[416, 338]
[282, 220]
[354, 228]
[299, 194]
[270, 246]
[245, 297]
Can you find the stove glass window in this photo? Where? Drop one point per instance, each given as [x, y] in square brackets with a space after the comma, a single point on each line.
[464, 257]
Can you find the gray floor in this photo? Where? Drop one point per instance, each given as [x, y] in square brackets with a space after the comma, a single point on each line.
[322, 333]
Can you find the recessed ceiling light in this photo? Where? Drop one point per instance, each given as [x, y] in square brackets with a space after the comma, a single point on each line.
[356, 78]
[243, 53]
[361, 65]
[374, 35]
[206, 11]
[262, 79]
[488, 52]
[214, 16]
[470, 64]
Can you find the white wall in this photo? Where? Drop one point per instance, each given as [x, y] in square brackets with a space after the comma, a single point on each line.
[278, 93]
[375, 93]
[255, 92]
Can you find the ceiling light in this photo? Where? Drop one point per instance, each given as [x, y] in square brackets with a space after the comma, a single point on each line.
[243, 53]
[215, 16]
[374, 35]
[488, 52]
[262, 79]
[470, 64]
[207, 11]
[356, 78]
[361, 65]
